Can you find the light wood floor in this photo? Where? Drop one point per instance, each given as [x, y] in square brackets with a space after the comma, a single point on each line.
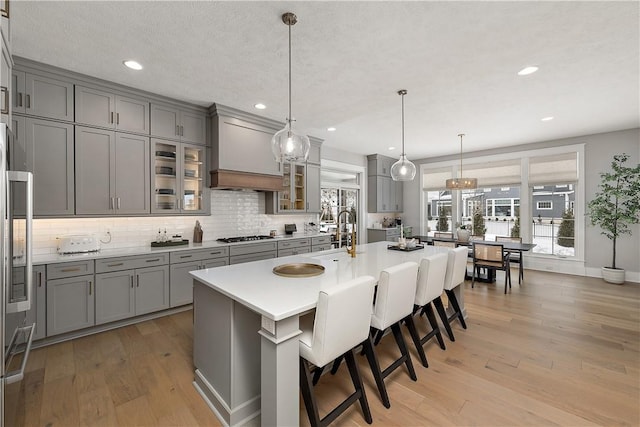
[559, 350]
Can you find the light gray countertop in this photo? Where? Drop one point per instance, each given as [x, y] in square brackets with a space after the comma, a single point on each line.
[147, 250]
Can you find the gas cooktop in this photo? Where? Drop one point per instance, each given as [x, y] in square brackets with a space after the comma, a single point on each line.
[243, 239]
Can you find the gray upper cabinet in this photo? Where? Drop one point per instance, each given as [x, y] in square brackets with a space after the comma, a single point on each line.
[112, 173]
[383, 193]
[313, 188]
[105, 109]
[180, 125]
[42, 96]
[49, 153]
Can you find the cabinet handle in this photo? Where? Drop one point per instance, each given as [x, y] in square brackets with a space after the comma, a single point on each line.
[110, 203]
[177, 130]
[118, 205]
[90, 287]
[137, 280]
[19, 99]
[131, 277]
[5, 10]
[117, 264]
[117, 118]
[112, 117]
[153, 260]
[40, 279]
[28, 101]
[69, 270]
[5, 106]
[186, 256]
[181, 130]
[215, 253]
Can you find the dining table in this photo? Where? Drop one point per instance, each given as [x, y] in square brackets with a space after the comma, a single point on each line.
[490, 276]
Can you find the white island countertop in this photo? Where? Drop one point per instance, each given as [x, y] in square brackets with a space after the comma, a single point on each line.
[255, 286]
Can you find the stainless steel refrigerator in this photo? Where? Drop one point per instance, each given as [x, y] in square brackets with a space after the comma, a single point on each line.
[16, 281]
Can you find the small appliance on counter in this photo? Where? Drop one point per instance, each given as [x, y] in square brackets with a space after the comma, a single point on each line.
[289, 229]
[79, 243]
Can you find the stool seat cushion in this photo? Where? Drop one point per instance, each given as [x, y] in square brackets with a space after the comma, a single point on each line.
[343, 316]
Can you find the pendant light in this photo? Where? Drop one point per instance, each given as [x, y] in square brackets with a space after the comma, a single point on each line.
[403, 169]
[287, 144]
[462, 183]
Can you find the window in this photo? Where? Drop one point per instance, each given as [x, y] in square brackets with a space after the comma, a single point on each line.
[553, 197]
[340, 191]
[553, 221]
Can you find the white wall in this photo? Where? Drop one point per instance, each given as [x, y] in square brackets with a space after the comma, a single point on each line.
[233, 213]
[599, 151]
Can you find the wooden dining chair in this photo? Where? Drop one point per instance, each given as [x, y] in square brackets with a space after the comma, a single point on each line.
[491, 256]
[443, 235]
[446, 243]
[515, 256]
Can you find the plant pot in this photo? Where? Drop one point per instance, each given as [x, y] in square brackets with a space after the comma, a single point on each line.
[463, 235]
[613, 275]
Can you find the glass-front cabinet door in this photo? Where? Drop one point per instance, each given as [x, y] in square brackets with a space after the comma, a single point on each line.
[166, 173]
[192, 194]
[292, 197]
[178, 178]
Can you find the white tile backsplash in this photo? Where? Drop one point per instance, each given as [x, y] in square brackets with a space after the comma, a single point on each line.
[233, 213]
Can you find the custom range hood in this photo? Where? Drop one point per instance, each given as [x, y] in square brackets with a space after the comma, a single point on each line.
[241, 155]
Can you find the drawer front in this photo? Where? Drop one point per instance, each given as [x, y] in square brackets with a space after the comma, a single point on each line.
[318, 248]
[253, 248]
[293, 251]
[69, 269]
[320, 240]
[293, 243]
[239, 259]
[199, 255]
[129, 263]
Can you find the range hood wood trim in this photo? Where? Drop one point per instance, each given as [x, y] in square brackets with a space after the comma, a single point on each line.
[225, 179]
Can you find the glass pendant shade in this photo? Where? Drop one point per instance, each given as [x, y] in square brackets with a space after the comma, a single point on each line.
[403, 170]
[288, 145]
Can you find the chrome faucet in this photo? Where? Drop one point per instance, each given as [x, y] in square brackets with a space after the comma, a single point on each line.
[351, 251]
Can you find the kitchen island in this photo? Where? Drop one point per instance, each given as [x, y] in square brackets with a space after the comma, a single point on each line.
[246, 328]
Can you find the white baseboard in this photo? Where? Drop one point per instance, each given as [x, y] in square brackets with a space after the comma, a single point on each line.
[630, 276]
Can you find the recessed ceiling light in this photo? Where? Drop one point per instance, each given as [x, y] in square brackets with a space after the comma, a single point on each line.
[134, 65]
[546, 119]
[331, 129]
[391, 148]
[260, 106]
[527, 70]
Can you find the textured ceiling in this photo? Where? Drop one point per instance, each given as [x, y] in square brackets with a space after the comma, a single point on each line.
[458, 61]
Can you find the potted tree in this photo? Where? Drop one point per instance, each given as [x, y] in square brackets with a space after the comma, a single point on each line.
[616, 206]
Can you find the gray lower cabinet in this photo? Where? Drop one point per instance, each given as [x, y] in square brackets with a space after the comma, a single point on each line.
[112, 173]
[182, 262]
[292, 246]
[115, 296]
[252, 252]
[128, 293]
[383, 234]
[47, 150]
[38, 311]
[70, 304]
[320, 243]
